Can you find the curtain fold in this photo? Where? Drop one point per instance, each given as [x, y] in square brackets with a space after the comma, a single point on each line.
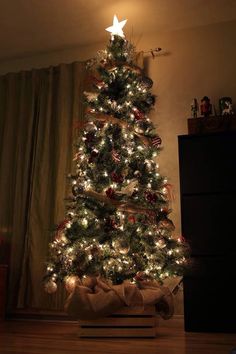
[39, 110]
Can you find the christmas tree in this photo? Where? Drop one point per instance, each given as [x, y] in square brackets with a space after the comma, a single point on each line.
[117, 224]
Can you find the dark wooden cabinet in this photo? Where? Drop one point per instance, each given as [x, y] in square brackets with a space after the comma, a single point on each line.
[208, 215]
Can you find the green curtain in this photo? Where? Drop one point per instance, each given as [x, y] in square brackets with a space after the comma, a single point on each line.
[39, 111]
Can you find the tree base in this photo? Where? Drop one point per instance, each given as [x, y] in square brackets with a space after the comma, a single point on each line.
[127, 322]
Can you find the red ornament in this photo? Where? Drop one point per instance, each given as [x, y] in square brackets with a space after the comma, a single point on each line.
[60, 228]
[181, 239]
[62, 225]
[138, 114]
[131, 219]
[100, 84]
[117, 178]
[165, 211]
[156, 141]
[110, 193]
[151, 197]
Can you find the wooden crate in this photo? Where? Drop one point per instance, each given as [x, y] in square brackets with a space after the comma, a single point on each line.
[124, 323]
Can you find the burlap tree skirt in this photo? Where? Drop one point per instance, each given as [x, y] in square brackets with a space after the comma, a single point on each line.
[95, 298]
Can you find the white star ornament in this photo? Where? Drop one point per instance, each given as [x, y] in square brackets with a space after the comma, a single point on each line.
[116, 28]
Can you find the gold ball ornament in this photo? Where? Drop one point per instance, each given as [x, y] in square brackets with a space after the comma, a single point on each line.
[70, 282]
[50, 287]
[121, 245]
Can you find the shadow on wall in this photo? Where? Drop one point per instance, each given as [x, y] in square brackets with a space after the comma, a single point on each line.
[148, 57]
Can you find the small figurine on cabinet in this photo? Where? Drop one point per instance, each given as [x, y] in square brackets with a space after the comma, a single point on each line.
[194, 108]
[226, 107]
[206, 106]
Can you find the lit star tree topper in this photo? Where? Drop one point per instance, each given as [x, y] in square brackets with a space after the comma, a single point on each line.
[117, 27]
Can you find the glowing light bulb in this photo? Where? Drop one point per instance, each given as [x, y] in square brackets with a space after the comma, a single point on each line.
[129, 151]
[140, 147]
[84, 222]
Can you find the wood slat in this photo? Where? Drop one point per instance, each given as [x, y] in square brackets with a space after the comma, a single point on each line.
[120, 321]
[127, 322]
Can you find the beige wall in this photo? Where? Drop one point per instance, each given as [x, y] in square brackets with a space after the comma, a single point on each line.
[195, 62]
